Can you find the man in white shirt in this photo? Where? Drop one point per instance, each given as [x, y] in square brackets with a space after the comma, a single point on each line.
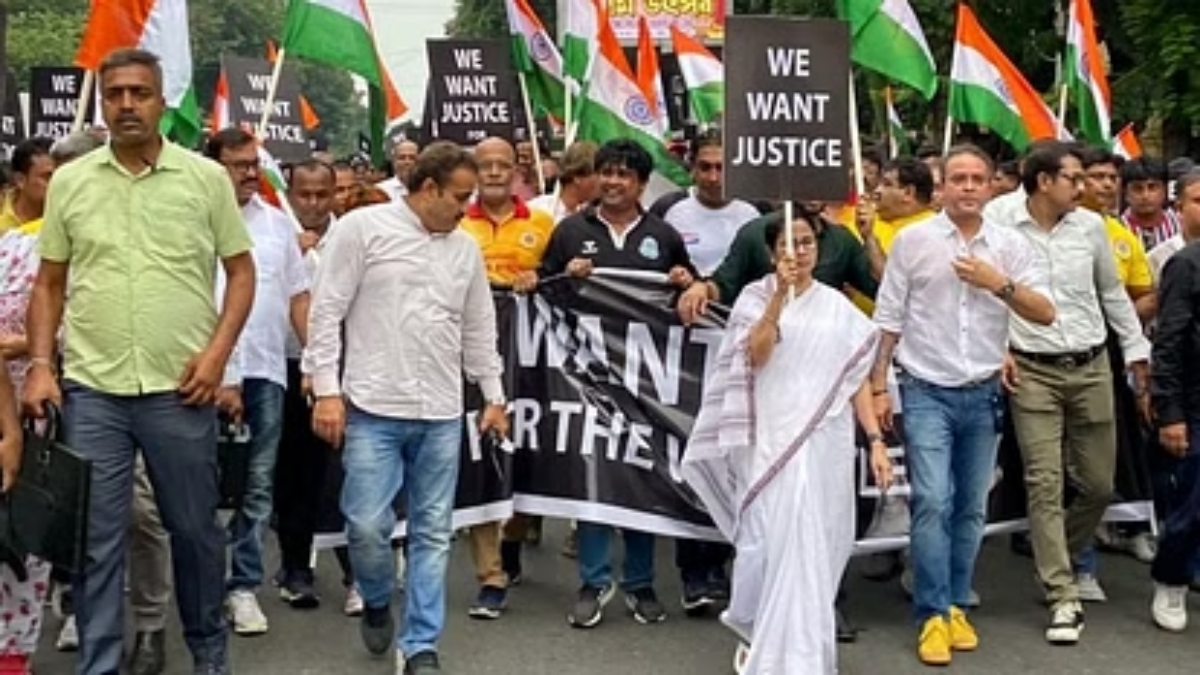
[281, 298]
[945, 301]
[404, 157]
[411, 295]
[1064, 399]
[705, 218]
[578, 185]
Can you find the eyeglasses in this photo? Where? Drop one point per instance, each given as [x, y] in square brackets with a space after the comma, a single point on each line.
[1075, 179]
[805, 243]
[242, 167]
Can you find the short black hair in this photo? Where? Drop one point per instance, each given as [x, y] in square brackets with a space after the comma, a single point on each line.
[1046, 158]
[123, 58]
[341, 165]
[1143, 169]
[1186, 181]
[912, 172]
[927, 150]
[229, 138]
[437, 162]
[873, 155]
[28, 150]
[971, 150]
[1095, 155]
[1010, 168]
[775, 226]
[314, 166]
[626, 153]
[709, 138]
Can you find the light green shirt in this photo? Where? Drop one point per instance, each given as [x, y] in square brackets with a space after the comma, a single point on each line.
[142, 252]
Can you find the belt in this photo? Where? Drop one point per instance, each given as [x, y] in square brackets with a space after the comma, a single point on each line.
[1065, 361]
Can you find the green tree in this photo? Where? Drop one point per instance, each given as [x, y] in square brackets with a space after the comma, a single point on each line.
[486, 18]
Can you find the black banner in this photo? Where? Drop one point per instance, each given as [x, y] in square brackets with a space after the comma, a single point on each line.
[787, 109]
[53, 99]
[604, 386]
[473, 89]
[249, 84]
[12, 122]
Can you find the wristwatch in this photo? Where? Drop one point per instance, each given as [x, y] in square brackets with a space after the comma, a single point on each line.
[500, 401]
[872, 439]
[1007, 290]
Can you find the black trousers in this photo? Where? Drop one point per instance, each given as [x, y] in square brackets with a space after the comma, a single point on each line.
[300, 474]
[698, 561]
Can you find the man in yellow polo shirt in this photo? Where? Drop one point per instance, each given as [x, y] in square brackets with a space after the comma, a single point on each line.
[139, 227]
[513, 238]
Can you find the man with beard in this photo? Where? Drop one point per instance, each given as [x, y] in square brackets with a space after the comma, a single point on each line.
[256, 390]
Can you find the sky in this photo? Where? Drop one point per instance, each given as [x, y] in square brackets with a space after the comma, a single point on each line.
[401, 27]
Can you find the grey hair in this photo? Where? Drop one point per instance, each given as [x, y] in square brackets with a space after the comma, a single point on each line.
[75, 145]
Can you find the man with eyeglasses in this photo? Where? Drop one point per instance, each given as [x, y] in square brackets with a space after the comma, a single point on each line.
[1062, 401]
[256, 390]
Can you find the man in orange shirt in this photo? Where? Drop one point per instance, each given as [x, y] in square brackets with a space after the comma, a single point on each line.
[513, 238]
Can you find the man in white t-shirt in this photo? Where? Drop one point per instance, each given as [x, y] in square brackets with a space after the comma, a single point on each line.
[404, 157]
[705, 219]
[578, 183]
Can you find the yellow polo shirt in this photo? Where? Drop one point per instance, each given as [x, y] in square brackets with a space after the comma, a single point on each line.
[8, 215]
[513, 246]
[1133, 266]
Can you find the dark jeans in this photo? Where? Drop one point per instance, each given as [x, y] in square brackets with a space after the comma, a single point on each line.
[179, 444]
[300, 473]
[263, 402]
[700, 562]
[1180, 540]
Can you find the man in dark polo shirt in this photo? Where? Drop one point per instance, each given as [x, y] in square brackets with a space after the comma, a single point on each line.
[617, 233]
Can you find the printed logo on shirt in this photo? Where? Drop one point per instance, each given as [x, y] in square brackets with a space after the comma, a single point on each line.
[1122, 249]
[649, 248]
[590, 248]
[690, 238]
[529, 240]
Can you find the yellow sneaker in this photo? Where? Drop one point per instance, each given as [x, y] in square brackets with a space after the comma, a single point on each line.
[933, 648]
[963, 637]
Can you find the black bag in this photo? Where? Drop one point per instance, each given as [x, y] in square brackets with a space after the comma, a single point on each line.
[48, 506]
[233, 457]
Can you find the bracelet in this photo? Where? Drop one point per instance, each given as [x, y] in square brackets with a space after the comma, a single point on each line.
[44, 361]
[879, 392]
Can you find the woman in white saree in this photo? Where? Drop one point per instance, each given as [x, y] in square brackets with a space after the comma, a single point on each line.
[773, 451]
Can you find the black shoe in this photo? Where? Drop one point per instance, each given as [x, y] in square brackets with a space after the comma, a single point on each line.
[645, 606]
[533, 535]
[1020, 544]
[697, 598]
[510, 561]
[589, 606]
[718, 585]
[422, 663]
[846, 633]
[149, 655]
[378, 629]
[297, 590]
[490, 603]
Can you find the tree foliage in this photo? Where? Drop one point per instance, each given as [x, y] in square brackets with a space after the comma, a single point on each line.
[47, 32]
[486, 18]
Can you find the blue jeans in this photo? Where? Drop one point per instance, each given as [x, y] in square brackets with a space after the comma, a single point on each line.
[179, 444]
[595, 562]
[383, 455]
[1088, 561]
[1179, 542]
[950, 441]
[263, 404]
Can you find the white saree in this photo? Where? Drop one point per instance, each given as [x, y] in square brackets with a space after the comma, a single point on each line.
[772, 456]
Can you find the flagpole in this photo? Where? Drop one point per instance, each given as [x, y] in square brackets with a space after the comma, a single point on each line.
[531, 126]
[949, 135]
[85, 95]
[272, 91]
[1062, 109]
[788, 232]
[855, 143]
[893, 144]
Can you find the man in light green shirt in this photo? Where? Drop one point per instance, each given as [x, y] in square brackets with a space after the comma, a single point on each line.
[139, 227]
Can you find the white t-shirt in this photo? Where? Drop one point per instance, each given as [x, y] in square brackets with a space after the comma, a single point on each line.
[708, 233]
[550, 204]
[393, 188]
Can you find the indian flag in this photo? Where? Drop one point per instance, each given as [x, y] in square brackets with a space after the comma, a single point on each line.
[1086, 74]
[271, 181]
[583, 19]
[1125, 143]
[338, 33]
[986, 88]
[897, 136]
[159, 27]
[649, 78]
[887, 38]
[615, 107]
[220, 108]
[535, 56]
[703, 75]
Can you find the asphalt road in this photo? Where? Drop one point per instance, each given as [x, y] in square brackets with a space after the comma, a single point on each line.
[533, 637]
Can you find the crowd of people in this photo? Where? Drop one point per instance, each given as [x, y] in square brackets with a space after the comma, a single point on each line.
[150, 291]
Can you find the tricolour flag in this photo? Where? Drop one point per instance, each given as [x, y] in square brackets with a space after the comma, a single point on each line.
[1086, 75]
[703, 74]
[338, 33]
[649, 78]
[1125, 143]
[897, 136]
[615, 107]
[887, 38]
[535, 55]
[220, 108]
[159, 27]
[583, 19]
[986, 88]
[271, 181]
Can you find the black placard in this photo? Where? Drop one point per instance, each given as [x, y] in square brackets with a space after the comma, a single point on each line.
[12, 122]
[473, 89]
[787, 112]
[249, 83]
[53, 98]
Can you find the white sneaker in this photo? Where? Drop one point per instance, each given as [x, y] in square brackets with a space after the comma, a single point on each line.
[1170, 607]
[1066, 623]
[245, 613]
[1089, 588]
[1143, 547]
[68, 636]
[354, 603]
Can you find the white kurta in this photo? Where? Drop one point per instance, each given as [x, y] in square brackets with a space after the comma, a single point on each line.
[772, 456]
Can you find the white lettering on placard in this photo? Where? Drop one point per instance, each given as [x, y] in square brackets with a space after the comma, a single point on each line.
[788, 61]
[787, 151]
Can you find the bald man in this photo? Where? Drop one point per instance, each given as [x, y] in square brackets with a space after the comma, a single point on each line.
[513, 238]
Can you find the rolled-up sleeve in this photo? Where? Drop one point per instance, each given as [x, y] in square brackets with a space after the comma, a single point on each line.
[481, 358]
[893, 291]
[338, 276]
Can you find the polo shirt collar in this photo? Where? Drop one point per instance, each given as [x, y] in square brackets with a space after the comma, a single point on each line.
[171, 158]
[520, 210]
